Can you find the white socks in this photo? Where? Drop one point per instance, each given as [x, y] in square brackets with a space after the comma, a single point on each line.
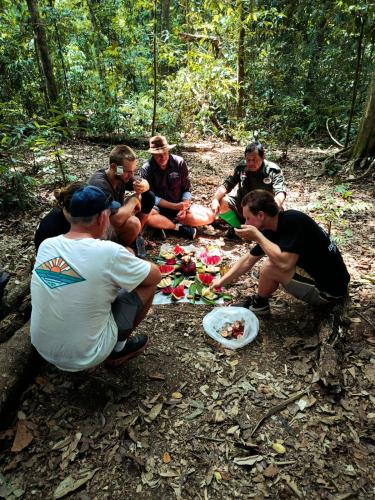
[119, 346]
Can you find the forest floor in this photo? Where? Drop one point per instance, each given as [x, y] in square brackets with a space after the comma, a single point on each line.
[177, 422]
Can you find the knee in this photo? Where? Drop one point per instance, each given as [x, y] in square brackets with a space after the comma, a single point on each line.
[224, 203]
[133, 224]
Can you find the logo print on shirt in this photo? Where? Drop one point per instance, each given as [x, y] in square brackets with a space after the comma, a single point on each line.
[57, 272]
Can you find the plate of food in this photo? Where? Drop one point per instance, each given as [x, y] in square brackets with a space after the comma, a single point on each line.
[233, 327]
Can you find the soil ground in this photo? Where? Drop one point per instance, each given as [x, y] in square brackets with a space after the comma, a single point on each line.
[178, 421]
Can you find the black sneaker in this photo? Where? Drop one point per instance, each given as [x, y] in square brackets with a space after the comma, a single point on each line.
[159, 234]
[187, 232]
[256, 304]
[134, 347]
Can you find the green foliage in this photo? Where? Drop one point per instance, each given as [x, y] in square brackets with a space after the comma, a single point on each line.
[24, 147]
[331, 208]
[299, 65]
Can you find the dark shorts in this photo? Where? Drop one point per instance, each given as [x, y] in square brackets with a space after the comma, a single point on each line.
[147, 201]
[167, 212]
[235, 204]
[125, 308]
[303, 287]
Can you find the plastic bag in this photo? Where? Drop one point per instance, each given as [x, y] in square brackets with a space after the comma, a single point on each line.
[215, 321]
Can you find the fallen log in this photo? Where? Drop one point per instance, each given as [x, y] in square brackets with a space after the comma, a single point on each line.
[14, 297]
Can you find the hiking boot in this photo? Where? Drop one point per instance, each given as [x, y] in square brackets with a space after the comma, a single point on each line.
[256, 304]
[187, 232]
[134, 347]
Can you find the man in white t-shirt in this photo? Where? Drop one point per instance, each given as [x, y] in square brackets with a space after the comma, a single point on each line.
[88, 294]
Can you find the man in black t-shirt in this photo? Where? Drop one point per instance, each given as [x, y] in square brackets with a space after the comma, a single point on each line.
[301, 256]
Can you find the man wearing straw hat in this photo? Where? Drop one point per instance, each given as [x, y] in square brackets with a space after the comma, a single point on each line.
[168, 177]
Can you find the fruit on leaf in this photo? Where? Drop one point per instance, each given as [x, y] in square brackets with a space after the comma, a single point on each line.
[188, 268]
[211, 259]
[186, 283]
[178, 250]
[167, 255]
[212, 269]
[171, 262]
[208, 294]
[205, 279]
[166, 269]
[165, 282]
[178, 292]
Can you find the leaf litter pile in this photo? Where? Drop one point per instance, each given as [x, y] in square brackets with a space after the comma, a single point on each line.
[191, 419]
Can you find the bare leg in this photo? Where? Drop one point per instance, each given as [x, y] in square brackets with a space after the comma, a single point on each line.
[143, 218]
[270, 278]
[224, 205]
[128, 231]
[159, 221]
[198, 216]
[146, 294]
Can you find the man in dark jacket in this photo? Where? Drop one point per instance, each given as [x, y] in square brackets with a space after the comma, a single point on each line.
[254, 172]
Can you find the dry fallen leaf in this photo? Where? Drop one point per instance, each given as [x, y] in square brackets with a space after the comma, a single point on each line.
[271, 471]
[156, 376]
[23, 436]
[279, 448]
[71, 483]
[176, 395]
[154, 412]
[217, 476]
[248, 460]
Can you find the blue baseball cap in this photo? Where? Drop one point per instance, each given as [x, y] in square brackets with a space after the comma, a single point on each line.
[91, 200]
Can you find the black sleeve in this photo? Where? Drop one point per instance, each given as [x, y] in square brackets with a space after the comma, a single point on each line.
[232, 180]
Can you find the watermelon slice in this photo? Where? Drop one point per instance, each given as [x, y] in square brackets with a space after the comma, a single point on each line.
[171, 262]
[166, 269]
[211, 260]
[205, 279]
[178, 250]
[167, 290]
[178, 292]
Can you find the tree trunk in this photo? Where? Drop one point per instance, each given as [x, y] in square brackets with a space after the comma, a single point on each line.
[165, 14]
[41, 43]
[61, 54]
[356, 78]
[364, 146]
[241, 61]
[316, 50]
[155, 69]
[94, 24]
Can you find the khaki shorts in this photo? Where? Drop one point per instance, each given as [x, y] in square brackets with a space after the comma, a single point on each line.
[303, 287]
[125, 308]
